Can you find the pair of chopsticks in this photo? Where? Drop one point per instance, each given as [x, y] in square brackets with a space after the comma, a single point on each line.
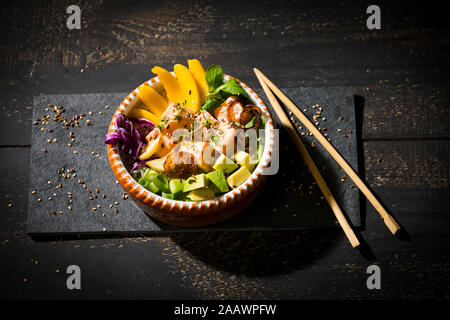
[387, 218]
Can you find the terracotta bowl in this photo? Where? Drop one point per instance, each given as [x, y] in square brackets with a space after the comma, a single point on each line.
[193, 214]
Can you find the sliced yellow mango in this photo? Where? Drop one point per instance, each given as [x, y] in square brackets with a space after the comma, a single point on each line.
[188, 87]
[170, 83]
[197, 70]
[152, 100]
[157, 164]
[142, 113]
[152, 146]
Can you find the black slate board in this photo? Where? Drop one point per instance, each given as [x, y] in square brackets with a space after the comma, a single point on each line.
[282, 204]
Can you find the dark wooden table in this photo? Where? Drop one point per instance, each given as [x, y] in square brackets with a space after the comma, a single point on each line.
[401, 71]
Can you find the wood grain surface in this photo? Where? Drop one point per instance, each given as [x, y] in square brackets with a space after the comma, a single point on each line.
[400, 74]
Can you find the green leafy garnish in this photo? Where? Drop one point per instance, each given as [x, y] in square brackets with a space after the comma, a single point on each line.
[219, 91]
[214, 77]
[210, 104]
[232, 87]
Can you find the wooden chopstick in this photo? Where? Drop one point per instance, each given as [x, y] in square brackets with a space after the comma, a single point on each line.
[311, 165]
[387, 218]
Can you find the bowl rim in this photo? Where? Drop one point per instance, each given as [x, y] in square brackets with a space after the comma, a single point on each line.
[131, 186]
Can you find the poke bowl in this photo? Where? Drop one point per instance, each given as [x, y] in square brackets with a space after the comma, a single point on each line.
[180, 179]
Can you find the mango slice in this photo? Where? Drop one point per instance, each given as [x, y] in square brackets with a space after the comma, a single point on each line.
[198, 72]
[142, 113]
[157, 164]
[171, 84]
[152, 100]
[152, 146]
[189, 87]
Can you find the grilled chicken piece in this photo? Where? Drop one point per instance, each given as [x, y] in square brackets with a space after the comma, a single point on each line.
[209, 126]
[176, 117]
[173, 118]
[188, 159]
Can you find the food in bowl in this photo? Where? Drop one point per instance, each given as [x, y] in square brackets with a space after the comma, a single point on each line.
[195, 139]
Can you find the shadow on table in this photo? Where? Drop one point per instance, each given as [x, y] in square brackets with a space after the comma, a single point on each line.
[259, 252]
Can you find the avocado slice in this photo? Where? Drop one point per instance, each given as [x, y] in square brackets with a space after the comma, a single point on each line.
[201, 194]
[195, 182]
[238, 177]
[244, 160]
[225, 164]
[176, 185]
[217, 178]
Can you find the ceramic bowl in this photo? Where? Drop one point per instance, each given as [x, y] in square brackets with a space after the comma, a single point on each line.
[193, 214]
